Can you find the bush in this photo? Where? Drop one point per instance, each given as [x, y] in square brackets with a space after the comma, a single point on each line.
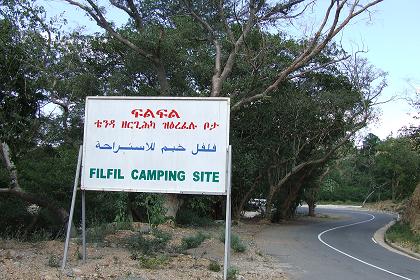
[98, 233]
[153, 262]
[235, 242]
[53, 261]
[193, 241]
[152, 243]
[188, 217]
[232, 273]
[214, 266]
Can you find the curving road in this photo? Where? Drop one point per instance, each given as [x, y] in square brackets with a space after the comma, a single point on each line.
[341, 248]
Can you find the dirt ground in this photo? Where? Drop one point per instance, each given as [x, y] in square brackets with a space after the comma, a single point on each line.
[114, 260]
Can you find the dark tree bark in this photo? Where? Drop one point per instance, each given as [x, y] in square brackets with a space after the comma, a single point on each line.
[246, 197]
[311, 208]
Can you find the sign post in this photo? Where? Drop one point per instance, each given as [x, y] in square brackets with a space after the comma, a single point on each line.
[157, 145]
[228, 220]
[73, 201]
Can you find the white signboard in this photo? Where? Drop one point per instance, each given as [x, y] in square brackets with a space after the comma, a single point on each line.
[166, 145]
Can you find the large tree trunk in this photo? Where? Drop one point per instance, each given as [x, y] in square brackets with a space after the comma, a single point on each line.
[246, 197]
[284, 208]
[172, 204]
[269, 203]
[311, 207]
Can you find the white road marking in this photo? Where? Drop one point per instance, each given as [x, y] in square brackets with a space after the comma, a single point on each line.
[373, 239]
[352, 257]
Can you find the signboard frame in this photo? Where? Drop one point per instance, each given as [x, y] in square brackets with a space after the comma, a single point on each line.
[222, 102]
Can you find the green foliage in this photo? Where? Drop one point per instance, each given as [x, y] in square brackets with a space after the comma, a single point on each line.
[214, 266]
[302, 121]
[97, 234]
[152, 243]
[232, 273]
[193, 241]
[386, 169]
[14, 216]
[154, 262]
[402, 234]
[154, 206]
[235, 242]
[189, 217]
[53, 261]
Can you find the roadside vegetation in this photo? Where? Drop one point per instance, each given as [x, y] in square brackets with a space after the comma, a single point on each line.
[378, 170]
[401, 234]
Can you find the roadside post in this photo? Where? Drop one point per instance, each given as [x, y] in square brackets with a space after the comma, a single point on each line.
[155, 145]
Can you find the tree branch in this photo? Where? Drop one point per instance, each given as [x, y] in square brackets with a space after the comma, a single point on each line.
[10, 166]
[316, 45]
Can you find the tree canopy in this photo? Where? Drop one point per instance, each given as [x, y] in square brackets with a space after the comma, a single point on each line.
[296, 102]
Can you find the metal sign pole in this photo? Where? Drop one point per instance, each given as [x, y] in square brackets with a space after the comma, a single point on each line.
[84, 225]
[73, 201]
[228, 214]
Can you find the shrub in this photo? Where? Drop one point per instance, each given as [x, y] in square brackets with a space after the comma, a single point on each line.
[235, 242]
[152, 243]
[53, 261]
[153, 262]
[98, 233]
[188, 217]
[193, 241]
[214, 266]
[232, 273]
[124, 225]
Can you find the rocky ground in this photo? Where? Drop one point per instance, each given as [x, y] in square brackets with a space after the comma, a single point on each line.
[114, 259]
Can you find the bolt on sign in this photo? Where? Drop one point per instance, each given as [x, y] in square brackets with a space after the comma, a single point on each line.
[162, 145]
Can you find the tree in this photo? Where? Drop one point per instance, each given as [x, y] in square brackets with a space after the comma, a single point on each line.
[208, 48]
[25, 52]
[379, 169]
[398, 165]
[227, 26]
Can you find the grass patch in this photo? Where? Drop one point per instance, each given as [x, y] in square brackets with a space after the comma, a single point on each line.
[153, 262]
[401, 234]
[193, 241]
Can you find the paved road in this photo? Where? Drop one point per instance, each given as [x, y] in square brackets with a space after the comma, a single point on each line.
[341, 248]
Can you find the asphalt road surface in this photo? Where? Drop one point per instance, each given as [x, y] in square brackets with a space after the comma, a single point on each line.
[337, 248]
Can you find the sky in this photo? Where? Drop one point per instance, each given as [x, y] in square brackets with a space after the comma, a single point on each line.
[390, 37]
